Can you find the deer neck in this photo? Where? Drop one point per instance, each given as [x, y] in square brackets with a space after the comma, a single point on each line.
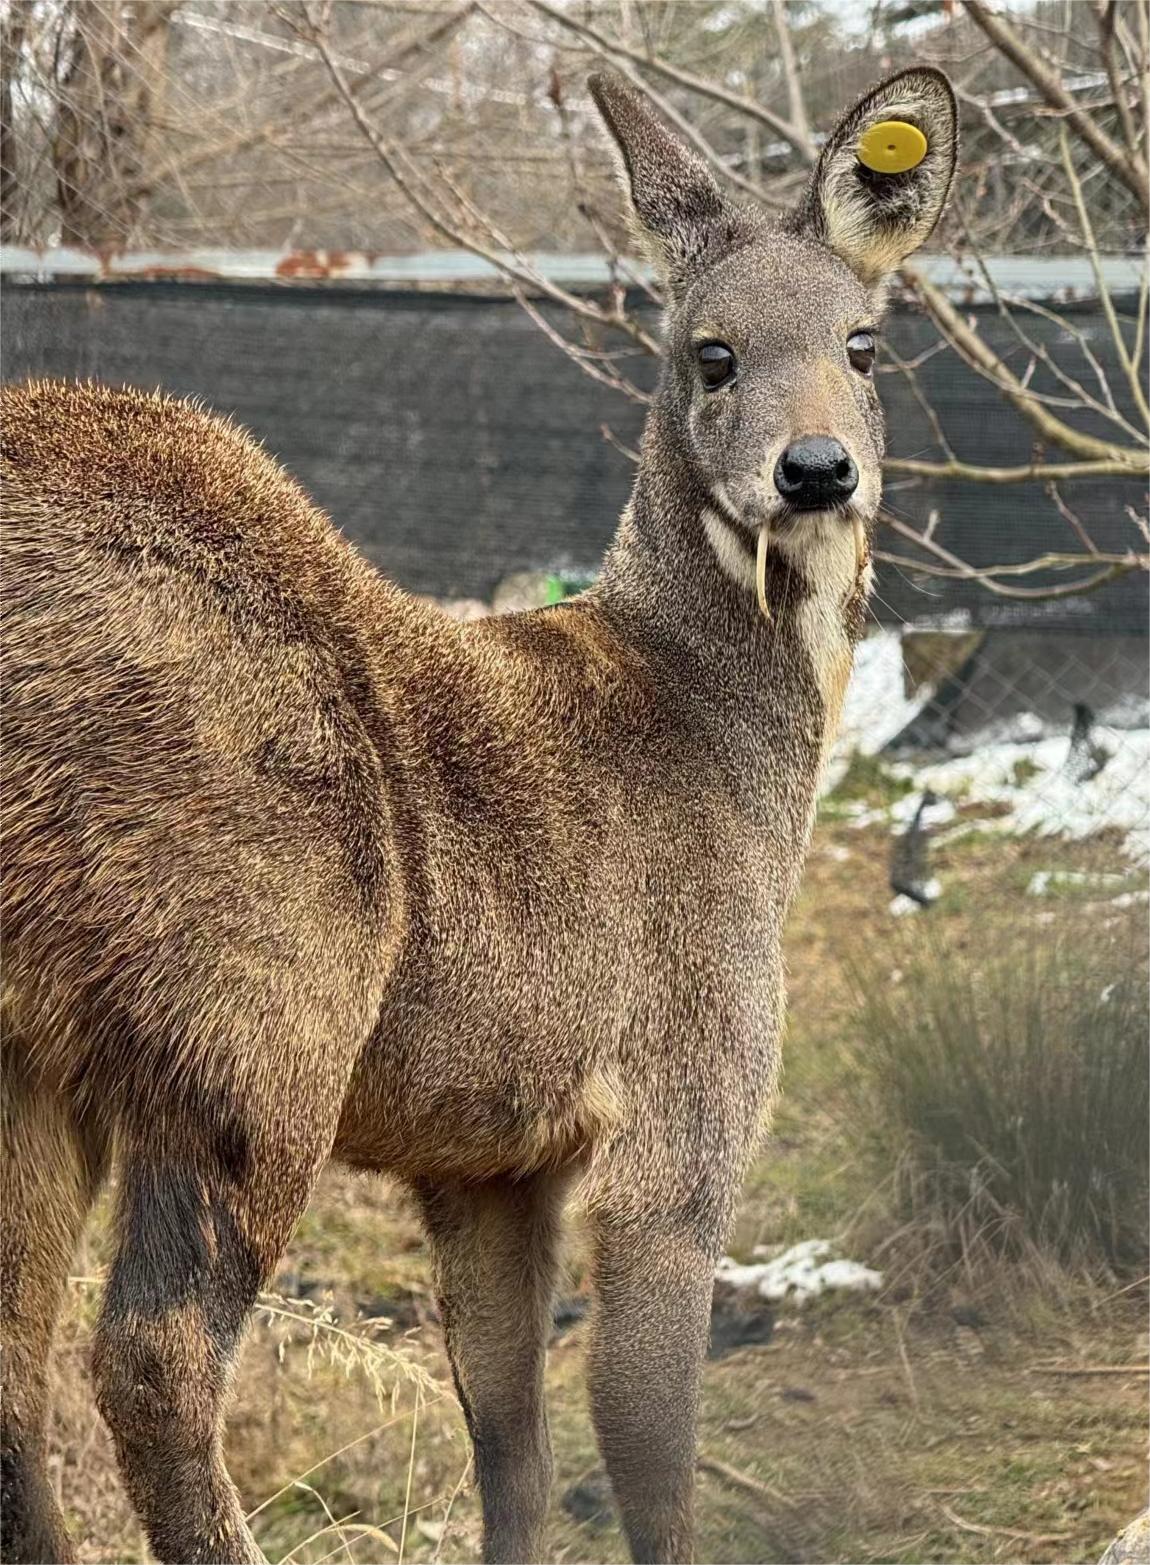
[678, 585]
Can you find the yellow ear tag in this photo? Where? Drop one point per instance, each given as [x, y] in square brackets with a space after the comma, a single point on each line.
[891, 147]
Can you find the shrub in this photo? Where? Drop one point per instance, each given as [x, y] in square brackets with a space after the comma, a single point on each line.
[1007, 1091]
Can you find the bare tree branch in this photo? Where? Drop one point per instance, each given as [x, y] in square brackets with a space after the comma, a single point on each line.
[1129, 169]
[1133, 374]
[800, 141]
[1107, 18]
[795, 101]
[972, 472]
[1118, 459]
[945, 564]
[13, 30]
[208, 151]
[413, 186]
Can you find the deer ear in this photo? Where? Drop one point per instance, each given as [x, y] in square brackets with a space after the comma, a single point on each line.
[678, 207]
[882, 179]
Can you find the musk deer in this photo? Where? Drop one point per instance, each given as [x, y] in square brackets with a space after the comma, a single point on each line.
[297, 868]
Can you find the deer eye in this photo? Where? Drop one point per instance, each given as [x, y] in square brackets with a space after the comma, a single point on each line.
[716, 365]
[860, 351]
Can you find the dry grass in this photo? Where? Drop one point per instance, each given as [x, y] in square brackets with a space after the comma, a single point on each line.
[1007, 1087]
[915, 1427]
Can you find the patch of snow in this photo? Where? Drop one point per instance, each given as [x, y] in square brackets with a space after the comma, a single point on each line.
[749, 1276]
[849, 1275]
[982, 768]
[938, 813]
[875, 707]
[1016, 728]
[863, 815]
[1048, 801]
[901, 905]
[1129, 711]
[801, 1273]
[1130, 899]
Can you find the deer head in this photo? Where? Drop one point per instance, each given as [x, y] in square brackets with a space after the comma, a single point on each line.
[768, 392]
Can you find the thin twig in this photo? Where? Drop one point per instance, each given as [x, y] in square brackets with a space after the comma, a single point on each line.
[795, 102]
[1106, 410]
[1057, 472]
[410, 182]
[740, 1480]
[980, 356]
[583, 357]
[612, 439]
[1107, 303]
[1107, 17]
[943, 563]
[929, 412]
[1130, 171]
[1000, 1532]
[1072, 519]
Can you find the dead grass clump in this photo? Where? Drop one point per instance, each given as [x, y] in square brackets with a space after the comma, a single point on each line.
[1005, 1091]
[380, 1479]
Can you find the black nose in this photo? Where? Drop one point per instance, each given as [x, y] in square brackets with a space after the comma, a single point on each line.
[815, 472]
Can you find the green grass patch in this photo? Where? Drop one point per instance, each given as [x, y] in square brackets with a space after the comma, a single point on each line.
[869, 780]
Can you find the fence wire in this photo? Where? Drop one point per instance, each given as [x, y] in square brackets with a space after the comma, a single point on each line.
[1036, 743]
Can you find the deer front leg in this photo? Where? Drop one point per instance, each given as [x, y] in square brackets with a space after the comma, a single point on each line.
[494, 1246]
[653, 1280]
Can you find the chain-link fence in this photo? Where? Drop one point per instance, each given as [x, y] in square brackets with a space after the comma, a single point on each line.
[1034, 741]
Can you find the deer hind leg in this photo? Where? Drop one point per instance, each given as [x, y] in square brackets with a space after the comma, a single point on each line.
[198, 1239]
[495, 1249]
[213, 1184]
[53, 1163]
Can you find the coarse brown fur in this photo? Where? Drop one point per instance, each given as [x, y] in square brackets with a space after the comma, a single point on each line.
[298, 868]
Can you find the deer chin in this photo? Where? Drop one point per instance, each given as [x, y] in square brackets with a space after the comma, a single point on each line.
[834, 558]
[830, 547]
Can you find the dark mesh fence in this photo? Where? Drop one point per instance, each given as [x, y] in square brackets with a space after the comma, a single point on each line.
[454, 443]
[446, 436]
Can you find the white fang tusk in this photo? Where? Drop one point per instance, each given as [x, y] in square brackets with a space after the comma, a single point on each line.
[860, 555]
[761, 571]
